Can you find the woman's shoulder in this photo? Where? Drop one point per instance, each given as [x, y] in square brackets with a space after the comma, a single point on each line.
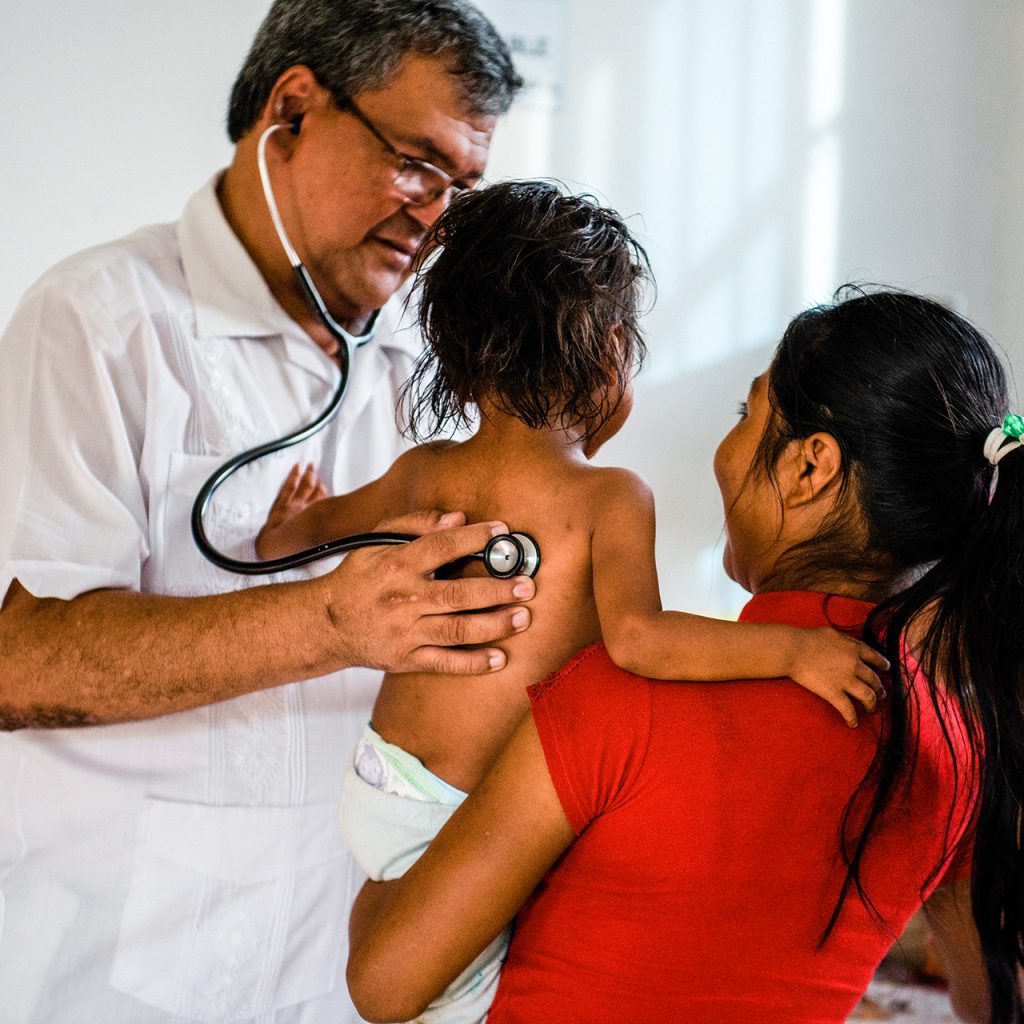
[590, 689]
[594, 723]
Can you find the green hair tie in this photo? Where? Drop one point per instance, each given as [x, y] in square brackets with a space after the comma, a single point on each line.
[1013, 426]
[997, 447]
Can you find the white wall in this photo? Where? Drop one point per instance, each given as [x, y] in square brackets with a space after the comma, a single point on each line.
[771, 149]
[775, 149]
[113, 115]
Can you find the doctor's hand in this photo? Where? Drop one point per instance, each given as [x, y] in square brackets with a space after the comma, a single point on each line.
[389, 612]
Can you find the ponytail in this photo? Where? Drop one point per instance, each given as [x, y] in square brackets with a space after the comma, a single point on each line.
[975, 645]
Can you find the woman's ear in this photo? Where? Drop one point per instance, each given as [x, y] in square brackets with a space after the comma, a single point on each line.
[813, 467]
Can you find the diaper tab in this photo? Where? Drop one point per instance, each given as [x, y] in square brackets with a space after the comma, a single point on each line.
[393, 770]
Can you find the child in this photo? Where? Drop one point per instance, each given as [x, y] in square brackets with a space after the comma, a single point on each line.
[530, 313]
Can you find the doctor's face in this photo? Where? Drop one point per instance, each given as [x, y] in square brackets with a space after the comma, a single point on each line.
[352, 226]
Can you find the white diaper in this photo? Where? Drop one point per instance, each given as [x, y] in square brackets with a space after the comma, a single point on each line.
[392, 807]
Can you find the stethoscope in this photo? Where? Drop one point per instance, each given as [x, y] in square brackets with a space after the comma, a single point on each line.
[507, 555]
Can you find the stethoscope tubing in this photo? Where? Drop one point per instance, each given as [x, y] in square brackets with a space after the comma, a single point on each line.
[505, 556]
[229, 468]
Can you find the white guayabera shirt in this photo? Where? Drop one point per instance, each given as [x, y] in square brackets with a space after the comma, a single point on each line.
[187, 868]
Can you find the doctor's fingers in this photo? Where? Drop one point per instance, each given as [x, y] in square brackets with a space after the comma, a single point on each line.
[476, 630]
[452, 661]
[428, 554]
[473, 594]
[444, 539]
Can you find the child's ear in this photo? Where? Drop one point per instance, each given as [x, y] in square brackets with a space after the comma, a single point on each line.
[813, 466]
[617, 338]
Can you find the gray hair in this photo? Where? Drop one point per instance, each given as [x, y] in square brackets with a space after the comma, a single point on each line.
[356, 45]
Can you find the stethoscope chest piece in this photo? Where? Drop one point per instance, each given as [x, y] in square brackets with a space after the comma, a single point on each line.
[512, 554]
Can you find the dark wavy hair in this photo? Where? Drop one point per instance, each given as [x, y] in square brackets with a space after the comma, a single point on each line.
[532, 300]
[910, 391]
[352, 46]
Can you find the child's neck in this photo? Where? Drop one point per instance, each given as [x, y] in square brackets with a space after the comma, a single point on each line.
[501, 431]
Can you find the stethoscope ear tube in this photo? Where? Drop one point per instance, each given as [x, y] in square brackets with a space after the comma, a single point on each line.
[505, 556]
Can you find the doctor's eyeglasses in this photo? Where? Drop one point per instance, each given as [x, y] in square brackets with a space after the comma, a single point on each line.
[419, 182]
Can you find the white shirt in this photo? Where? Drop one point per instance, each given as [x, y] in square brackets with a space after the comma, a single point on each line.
[187, 868]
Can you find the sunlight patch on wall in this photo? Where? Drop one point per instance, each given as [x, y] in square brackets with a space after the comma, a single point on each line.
[821, 221]
[827, 45]
[717, 127]
[597, 142]
[762, 286]
[827, 42]
[742, 167]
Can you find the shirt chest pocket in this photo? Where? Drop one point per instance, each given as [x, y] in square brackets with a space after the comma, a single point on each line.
[234, 912]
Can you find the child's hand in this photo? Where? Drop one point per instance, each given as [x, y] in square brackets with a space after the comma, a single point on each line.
[840, 670]
[300, 489]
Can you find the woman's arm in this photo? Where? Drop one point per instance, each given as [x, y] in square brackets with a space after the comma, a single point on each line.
[948, 911]
[410, 938]
[642, 638]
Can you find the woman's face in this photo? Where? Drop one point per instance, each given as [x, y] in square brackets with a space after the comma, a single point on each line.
[753, 510]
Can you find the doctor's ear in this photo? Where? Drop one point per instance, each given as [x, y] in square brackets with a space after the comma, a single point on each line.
[295, 94]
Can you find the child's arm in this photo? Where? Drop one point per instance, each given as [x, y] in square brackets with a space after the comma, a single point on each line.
[642, 638]
[302, 516]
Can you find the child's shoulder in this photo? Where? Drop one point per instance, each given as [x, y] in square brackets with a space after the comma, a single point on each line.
[614, 482]
[613, 494]
[425, 453]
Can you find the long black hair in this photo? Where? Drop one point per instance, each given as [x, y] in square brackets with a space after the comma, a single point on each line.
[910, 391]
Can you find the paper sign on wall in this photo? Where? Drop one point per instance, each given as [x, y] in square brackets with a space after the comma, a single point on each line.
[535, 31]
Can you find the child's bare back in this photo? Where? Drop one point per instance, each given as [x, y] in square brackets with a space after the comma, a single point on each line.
[538, 482]
[456, 726]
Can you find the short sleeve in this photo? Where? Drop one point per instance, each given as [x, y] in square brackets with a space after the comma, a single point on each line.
[594, 723]
[73, 517]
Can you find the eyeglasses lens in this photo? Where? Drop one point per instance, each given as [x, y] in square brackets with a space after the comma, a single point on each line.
[420, 184]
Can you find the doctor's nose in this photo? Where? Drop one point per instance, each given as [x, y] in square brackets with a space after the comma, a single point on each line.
[426, 213]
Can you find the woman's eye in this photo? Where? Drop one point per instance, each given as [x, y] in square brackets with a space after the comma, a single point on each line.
[741, 409]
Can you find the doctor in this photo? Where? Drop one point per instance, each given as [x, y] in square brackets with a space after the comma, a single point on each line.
[174, 735]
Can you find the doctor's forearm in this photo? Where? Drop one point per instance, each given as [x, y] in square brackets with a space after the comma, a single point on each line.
[111, 656]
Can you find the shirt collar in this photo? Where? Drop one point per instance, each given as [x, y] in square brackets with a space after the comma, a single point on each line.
[230, 297]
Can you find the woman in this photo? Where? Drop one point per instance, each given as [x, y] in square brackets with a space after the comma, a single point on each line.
[732, 853]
